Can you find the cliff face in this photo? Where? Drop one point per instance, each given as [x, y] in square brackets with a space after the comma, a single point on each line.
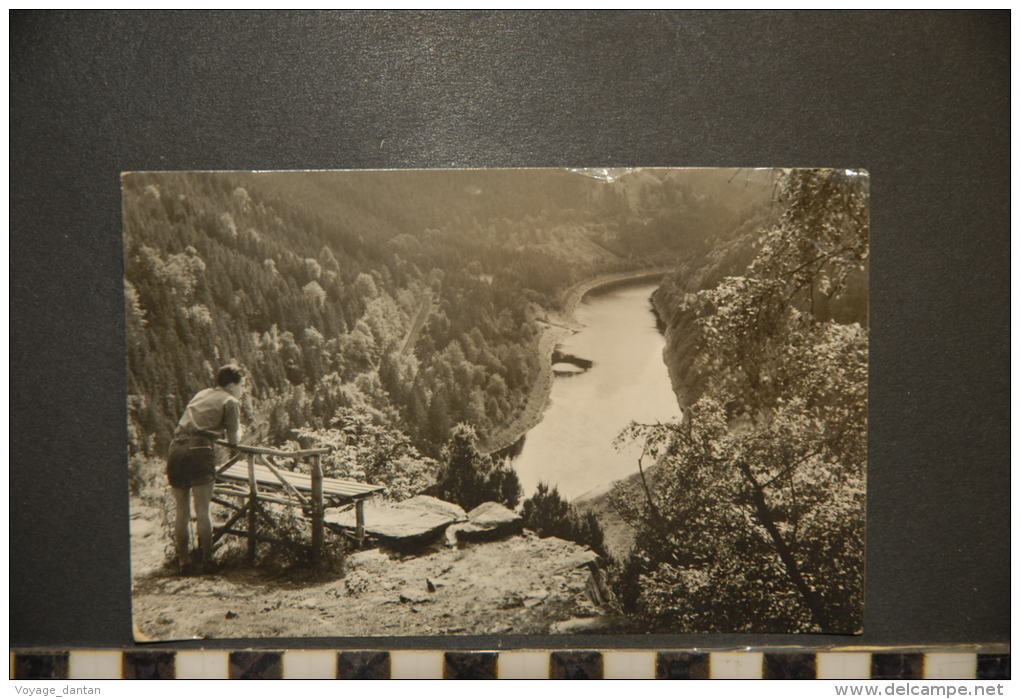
[729, 258]
[680, 334]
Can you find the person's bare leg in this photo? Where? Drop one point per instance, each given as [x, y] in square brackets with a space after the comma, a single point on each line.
[202, 495]
[182, 522]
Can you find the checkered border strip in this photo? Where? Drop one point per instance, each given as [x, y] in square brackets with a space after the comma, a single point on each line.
[572, 664]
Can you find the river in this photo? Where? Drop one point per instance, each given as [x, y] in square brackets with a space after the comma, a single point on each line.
[572, 447]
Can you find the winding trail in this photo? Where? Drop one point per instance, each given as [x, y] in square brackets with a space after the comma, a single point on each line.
[555, 328]
[416, 325]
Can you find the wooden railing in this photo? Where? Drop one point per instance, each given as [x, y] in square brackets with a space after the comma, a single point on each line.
[262, 474]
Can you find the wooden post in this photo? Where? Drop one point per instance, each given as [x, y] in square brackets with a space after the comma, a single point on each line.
[317, 509]
[359, 510]
[253, 491]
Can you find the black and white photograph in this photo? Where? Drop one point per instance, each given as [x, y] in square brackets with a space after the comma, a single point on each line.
[411, 403]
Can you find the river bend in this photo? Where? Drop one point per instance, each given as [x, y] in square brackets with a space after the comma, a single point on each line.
[572, 447]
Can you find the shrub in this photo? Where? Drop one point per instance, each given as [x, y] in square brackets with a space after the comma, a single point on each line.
[290, 553]
[364, 447]
[293, 551]
[548, 514]
[147, 477]
[470, 478]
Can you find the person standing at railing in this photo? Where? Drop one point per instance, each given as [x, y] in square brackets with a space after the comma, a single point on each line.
[191, 465]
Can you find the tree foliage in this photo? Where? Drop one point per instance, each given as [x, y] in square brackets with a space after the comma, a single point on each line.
[752, 516]
[216, 271]
[470, 478]
[548, 514]
[422, 314]
[256, 268]
[362, 447]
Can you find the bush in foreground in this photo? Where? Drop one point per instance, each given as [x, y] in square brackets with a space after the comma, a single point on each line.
[548, 514]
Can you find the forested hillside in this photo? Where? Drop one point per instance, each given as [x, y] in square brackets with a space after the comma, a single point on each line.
[405, 297]
[729, 256]
[751, 513]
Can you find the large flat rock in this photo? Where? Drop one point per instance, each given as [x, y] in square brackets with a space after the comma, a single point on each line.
[490, 521]
[420, 517]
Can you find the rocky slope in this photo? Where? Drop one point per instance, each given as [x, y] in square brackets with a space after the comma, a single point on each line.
[518, 585]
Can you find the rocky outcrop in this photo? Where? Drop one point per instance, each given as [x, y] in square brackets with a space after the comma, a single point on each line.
[424, 518]
[490, 521]
[439, 507]
[421, 518]
[681, 337]
[574, 556]
[521, 584]
[672, 300]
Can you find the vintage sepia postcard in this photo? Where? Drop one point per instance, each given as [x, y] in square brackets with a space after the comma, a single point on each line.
[487, 402]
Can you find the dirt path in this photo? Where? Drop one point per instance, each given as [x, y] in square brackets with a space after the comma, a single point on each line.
[555, 329]
[416, 325]
[519, 585]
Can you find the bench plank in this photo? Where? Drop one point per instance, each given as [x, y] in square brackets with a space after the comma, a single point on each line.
[333, 487]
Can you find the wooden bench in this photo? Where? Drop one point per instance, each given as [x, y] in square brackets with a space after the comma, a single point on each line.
[257, 475]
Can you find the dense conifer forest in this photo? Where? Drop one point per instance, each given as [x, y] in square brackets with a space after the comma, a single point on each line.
[407, 297]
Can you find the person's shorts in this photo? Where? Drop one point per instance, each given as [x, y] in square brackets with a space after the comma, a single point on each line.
[192, 462]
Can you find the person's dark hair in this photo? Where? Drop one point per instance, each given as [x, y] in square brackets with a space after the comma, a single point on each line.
[231, 373]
